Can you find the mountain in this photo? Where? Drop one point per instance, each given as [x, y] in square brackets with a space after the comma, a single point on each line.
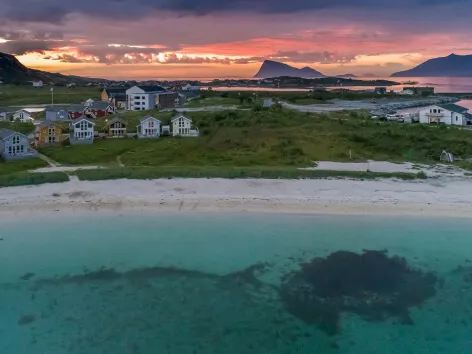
[346, 76]
[13, 72]
[272, 68]
[452, 65]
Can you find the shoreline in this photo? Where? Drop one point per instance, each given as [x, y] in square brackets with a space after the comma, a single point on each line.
[330, 197]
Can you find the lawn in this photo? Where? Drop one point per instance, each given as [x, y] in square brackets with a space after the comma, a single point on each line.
[273, 138]
[213, 101]
[19, 95]
[20, 165]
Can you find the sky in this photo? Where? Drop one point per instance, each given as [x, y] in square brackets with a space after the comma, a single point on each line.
[165, 39]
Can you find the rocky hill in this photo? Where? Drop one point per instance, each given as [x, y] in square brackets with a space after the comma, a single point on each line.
[272, 68]
[13, 72]
[452, 65]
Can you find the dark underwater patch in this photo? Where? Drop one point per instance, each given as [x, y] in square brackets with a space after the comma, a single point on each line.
[371, 285]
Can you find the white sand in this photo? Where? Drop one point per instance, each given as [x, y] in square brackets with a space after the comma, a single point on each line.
[444, 197]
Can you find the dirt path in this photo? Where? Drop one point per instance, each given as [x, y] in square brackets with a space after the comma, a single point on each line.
[50, 161]
[118, 160]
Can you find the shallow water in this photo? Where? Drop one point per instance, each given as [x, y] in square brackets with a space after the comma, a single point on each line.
[180, 283]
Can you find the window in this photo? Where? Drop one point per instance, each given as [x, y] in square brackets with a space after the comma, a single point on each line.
[143, 98]
[52, 131]
[151, 124]
[457, 118]
[137, 97]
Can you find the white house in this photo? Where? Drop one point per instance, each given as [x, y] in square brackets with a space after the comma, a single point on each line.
[81, 131]
[189, 87]
[22, 116]
[89, 102]
[3, 113]
[38, 83]
[406, 92]
[449, 114]
[149, 127]
[182, 126]
[143, 97]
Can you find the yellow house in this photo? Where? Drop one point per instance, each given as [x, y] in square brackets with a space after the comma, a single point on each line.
[48, 132]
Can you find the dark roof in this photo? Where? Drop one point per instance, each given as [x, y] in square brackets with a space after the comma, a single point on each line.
[468, 116]
[99, 105]
[118, 96]
[147, 117]
[6, 133]
[167, 93]
[77, 107]
[56, 108]
[453, 108]
[2, 110]
[152, 88]
[180, 115]
[116, 120]
[190, 94]
[114, 91]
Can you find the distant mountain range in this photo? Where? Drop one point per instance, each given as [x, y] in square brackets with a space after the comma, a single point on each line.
[272, 68]
[452, 65]
[346, 76]
[13, 72]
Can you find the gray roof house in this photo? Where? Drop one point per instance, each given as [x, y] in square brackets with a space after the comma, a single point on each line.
[81, 131]
[15, 146]
[449, 114]
[149, 127]
[54, 113]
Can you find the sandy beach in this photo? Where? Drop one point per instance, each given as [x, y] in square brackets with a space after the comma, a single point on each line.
[433, 197]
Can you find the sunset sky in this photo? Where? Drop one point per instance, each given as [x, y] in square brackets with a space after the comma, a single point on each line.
[152, 39]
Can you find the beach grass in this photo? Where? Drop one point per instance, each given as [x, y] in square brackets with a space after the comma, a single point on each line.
[273, 137]
[233, 173]
[7, 168]
[28, 178]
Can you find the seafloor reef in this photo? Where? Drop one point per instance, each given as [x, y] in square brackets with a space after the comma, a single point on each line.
[371, 285]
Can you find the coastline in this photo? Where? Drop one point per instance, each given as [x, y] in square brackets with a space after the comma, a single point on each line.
[441, 198]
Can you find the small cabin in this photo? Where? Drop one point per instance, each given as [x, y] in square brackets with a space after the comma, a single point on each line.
[117, 128]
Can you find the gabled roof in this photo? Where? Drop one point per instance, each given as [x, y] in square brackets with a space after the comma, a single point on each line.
[180, 115]
[99, 105]
[148, 117]
[46, 123]
[2, 110]
[152, 88]
[22, 110]
[56, 108]
[453, 108]
[116, 120]
[468, 116]
[111, 91]
[118, 95]
[5, 133]
[77, 107]
[75, 121]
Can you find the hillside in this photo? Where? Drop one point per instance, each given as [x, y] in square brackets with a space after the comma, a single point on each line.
[452, 65]
[276, 69]
[13, 72]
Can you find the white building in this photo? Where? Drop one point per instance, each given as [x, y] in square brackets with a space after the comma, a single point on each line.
[38, 83]
[149, 127]
[81, 131]
[407, 92]
[449, 114]
[182, 126]
[3, 113]
[189, 87]
[22, 116]
[89, 102]
[140, 98]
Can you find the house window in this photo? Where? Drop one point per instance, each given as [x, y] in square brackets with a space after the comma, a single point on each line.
[52, 131]
[143, 98]
[151, 124]
[137, 97]
[457, 118]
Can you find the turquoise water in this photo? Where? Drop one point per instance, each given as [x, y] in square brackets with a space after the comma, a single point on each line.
[182, 283]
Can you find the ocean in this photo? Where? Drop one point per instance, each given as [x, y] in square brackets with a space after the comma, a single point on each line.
[188, 283]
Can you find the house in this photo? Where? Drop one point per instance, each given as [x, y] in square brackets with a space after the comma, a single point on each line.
[449, 114]
[3, 114]
[78, 111]
[149, 97]
[99, 109]
[186, 96]
[149, 127]
[115, 96]
[88, 102]
[423, 91]
[22, 116]
[380, 90]
[48, 132]
[116, 128]
[15, 146]
[39, 84]
[81, 131]
[407, 92]
[189, 87]
[182, 126]
[59, 113]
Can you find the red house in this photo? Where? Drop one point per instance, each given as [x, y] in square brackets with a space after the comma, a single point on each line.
[76, 111]
[100, 109]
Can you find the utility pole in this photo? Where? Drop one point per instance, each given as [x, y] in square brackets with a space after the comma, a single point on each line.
[52, 95]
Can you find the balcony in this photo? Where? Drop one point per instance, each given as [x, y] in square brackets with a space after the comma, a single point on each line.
[435, 115]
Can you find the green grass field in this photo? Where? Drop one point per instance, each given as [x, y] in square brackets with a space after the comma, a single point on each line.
[213, 101]
[20, 165]
[274, 137]
[18, 95]
[26, 178]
